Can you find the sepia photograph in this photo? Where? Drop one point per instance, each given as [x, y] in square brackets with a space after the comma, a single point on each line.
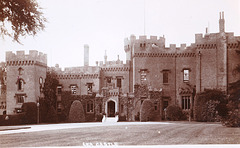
[120, 73]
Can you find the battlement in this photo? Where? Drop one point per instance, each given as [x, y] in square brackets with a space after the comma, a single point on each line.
[199, 38]
[152, 39]
[82, 70]
[142, 41]
[34, 57]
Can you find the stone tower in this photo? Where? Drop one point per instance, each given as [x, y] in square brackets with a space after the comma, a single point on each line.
[26, 74]
[86, 55]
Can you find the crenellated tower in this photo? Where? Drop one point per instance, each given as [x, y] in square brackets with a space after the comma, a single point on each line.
[26, 74]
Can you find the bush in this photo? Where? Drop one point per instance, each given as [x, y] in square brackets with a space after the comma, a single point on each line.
[146, 110]
[210, 105]
[233, 117]
[76, 113]
[29, 110]
[175, 113]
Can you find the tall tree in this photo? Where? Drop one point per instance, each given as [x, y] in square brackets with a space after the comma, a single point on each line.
[50, 88]
[20, 17]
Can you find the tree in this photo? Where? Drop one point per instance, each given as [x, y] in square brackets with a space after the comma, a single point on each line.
[48, 103]
[50, 88]
[2, 78]
[233, 117]
[24, 17]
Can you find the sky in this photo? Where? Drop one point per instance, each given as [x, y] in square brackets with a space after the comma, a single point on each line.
[103, 25]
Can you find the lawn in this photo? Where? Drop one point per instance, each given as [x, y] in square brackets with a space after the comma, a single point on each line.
[137, 134]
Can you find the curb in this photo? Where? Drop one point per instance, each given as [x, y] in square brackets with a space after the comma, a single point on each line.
[17, 128]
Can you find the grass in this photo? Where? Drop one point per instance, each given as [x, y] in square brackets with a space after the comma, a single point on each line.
[148, 134]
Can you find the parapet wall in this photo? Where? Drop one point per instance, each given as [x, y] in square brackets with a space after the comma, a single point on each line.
[153, 44]
[21, 58]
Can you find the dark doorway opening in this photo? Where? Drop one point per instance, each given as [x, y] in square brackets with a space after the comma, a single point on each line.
[111, 109]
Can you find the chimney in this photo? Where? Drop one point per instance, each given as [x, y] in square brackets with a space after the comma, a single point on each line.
[105, 57]
[86, 55]
[221, 22]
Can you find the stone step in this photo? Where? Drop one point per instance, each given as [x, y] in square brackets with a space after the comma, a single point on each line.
[110, 119]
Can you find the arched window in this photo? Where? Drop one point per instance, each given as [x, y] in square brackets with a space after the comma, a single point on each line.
[20, 84]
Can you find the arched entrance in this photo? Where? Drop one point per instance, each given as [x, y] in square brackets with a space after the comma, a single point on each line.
[111, 109]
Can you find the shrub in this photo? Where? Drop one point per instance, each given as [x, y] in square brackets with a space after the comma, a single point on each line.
[174, 113]
[98, 117]
[146, 110]
[137, 117]
[122, 118]
[76, 113]
[30, 112]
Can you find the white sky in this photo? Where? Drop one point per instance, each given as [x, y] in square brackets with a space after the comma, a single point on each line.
[103, 25]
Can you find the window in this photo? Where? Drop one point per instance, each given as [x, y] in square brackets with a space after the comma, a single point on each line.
[20, 84]
[18, 110]
[20, 71]
[59, 107]
[3, 105]
[74, 89]
[119, 82]
[186, 75]
[20, 98]
[89, 87]
[165, 104]
[109, 79]
[165, 77]
[143, 75]
[90, 106]
[185, 102]
[40, 80]
[59, 90]
[155, 106]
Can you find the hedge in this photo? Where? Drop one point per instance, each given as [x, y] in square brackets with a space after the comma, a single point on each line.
[76, 113]
[12, 119]
[174, 113]
[29, 110]
[146, 110]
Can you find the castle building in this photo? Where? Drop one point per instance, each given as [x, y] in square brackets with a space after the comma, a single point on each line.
[166, 75]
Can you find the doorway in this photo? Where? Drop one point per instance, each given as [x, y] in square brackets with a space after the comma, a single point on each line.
[111, 109]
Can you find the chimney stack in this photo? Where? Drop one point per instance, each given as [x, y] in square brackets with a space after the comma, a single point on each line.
[86, 55]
